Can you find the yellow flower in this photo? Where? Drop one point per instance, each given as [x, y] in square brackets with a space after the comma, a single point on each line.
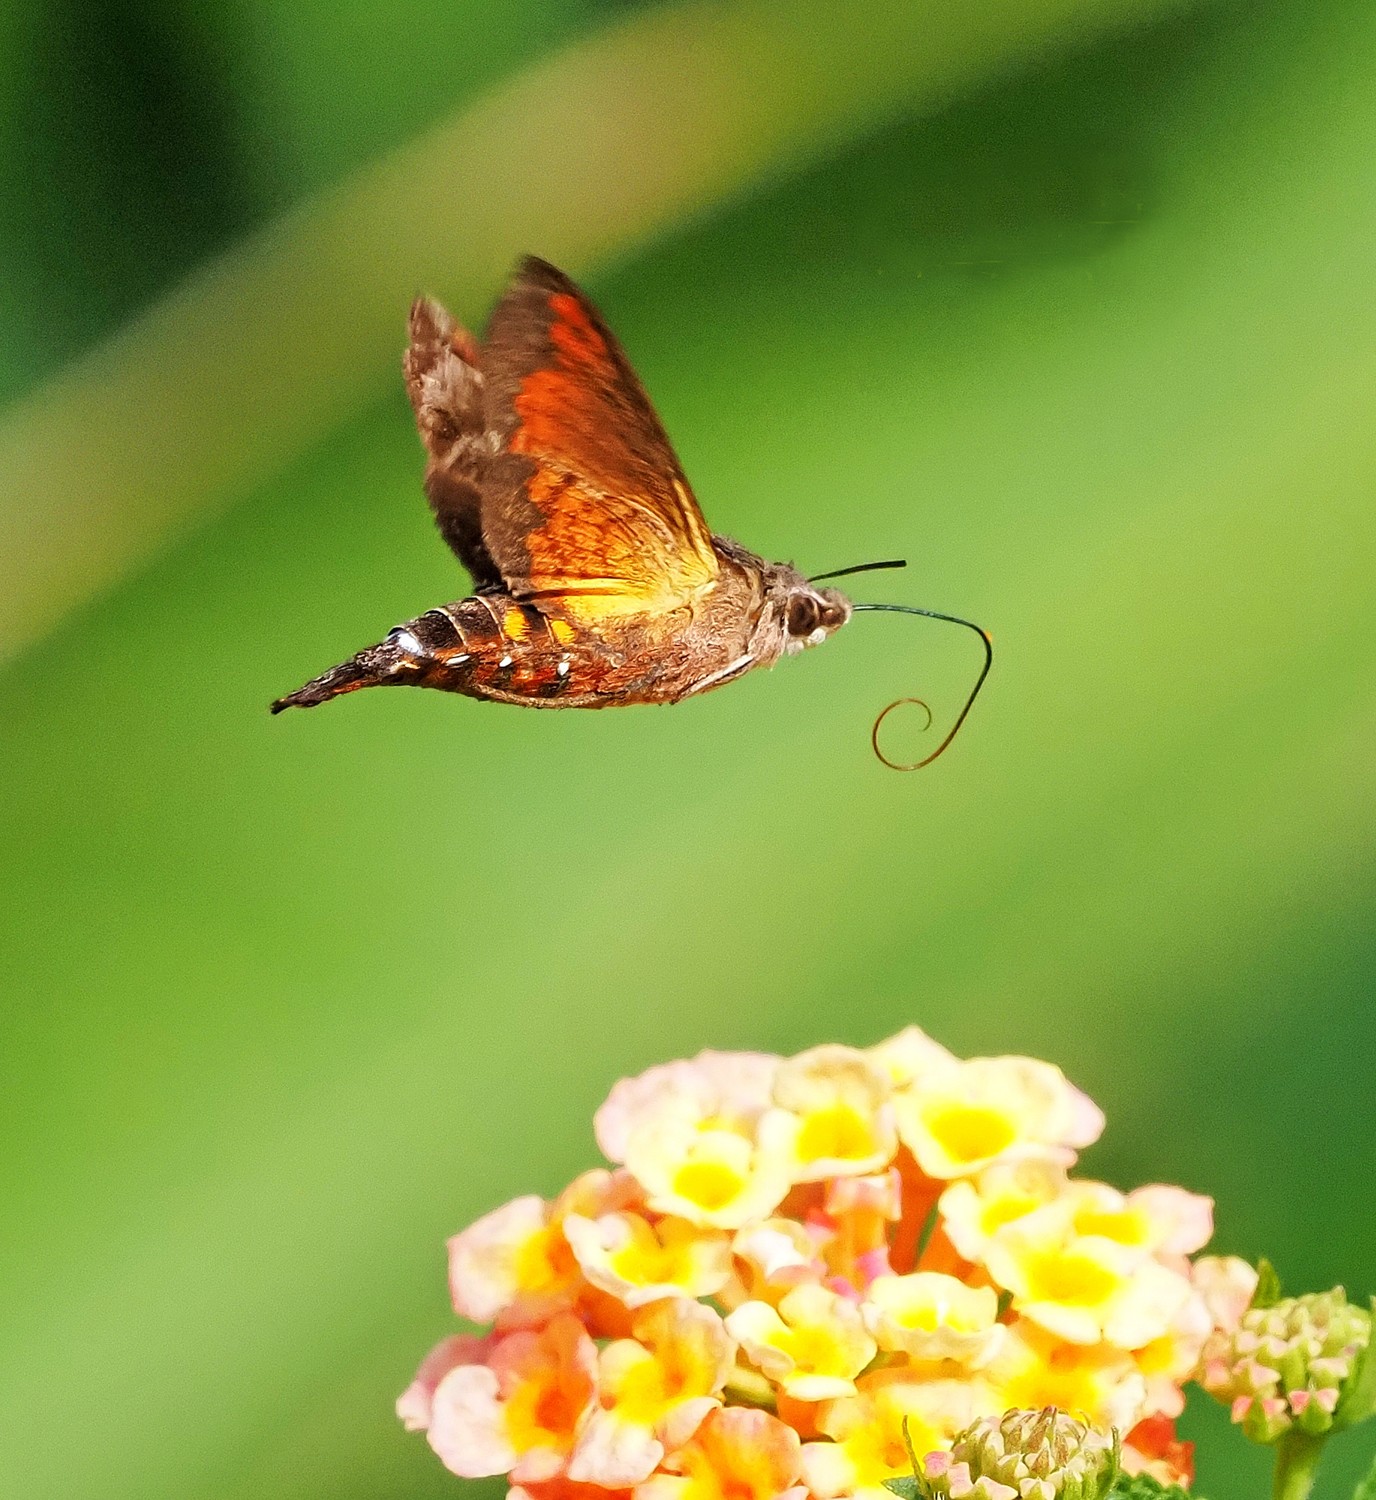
[1035, 1369]
[813, 1345]
[867, 1431]
[653, 1392]
[832, 1117]
[1167, 1221]
[714, 1176]
[812, 1251]
[905, 1058]
[932, 1317]
[1083, 1288]
[974, 1209]
[960, 1117]
[1169, 1360]
[639, 1262]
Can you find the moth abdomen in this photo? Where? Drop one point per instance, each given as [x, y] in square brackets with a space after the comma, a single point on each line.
[389, 663]
[487, 646]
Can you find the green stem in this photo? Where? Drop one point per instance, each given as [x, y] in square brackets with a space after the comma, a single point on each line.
[1366, 1488]
[1297, 1462]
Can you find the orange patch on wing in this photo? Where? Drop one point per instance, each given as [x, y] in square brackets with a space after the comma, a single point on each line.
[514, 624]
[562, 631]
[546, 486]
[592, 552]
[547, 396]
[615, 540]
[543, 405]
[572, 332]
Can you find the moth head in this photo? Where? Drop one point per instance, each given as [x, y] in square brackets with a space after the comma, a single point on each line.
[811, 614]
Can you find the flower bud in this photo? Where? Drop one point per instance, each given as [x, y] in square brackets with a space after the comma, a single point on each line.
[1025, 1455]
[1299, 1364]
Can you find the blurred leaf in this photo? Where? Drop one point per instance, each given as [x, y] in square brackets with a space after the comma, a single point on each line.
[1144, 1487]
[138, 138]
[1268, 1291]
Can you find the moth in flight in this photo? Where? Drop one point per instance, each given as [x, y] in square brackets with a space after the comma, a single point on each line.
[597, 581]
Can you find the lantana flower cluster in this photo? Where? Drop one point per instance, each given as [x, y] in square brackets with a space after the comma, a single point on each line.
[1024, 1455]
[796, 1265]
[1288, 1365]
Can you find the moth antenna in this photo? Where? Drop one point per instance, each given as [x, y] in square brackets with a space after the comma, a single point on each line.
[893, 562]
[931, 614]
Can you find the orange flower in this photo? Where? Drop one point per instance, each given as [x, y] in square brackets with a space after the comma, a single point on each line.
[1153, 1448]
[564, 1488]
[737, 1454]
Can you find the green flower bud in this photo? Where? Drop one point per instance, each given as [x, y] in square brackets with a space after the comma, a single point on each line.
[1025, 1455]
[1301, 1364]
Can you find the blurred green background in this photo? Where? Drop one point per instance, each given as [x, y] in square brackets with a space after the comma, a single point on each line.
[1068, 301]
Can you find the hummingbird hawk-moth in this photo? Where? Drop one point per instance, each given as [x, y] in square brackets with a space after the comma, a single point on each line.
[597, 580]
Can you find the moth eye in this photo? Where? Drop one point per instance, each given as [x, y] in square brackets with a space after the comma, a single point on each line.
[803, 615]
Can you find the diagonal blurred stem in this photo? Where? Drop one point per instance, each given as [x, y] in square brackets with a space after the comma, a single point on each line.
[578, 158]
[1297, 1462]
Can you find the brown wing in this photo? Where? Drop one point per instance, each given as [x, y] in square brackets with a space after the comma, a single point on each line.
[446, 389]
[584, 498]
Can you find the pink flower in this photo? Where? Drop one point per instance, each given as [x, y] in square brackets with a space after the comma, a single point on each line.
[413, 1405]
[519, 1412]
[734, 1085]
[515, 1264]
[1227, 1285]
